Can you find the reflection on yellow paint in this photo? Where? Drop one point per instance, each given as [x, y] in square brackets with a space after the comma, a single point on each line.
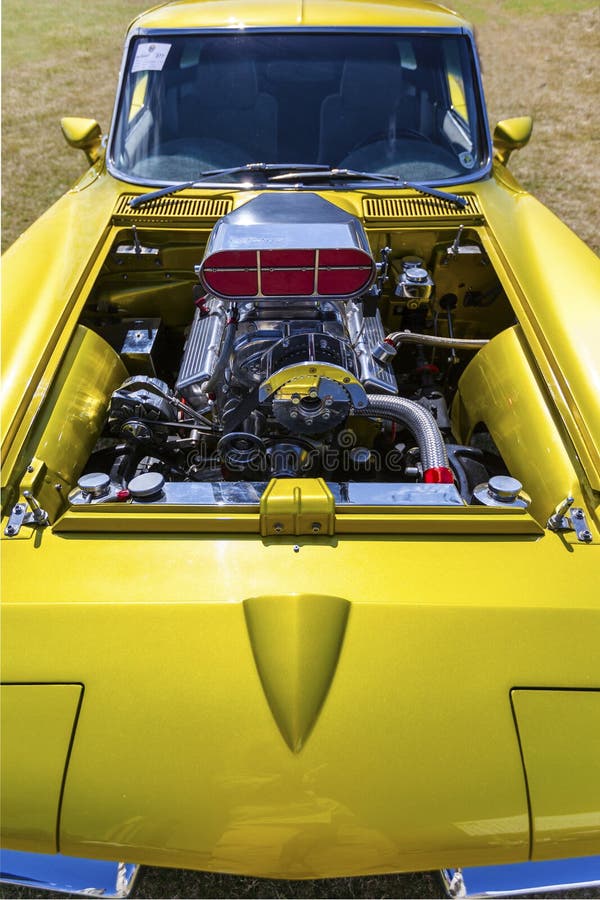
[504, 826]
[457, 96]
[577, 824]
[139, 96]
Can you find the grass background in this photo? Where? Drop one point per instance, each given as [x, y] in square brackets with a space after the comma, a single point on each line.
[539, 57]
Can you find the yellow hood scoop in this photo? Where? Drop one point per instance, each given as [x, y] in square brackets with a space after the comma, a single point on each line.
[296, 642]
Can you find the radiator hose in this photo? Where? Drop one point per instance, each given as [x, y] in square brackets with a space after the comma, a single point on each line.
[421, 423]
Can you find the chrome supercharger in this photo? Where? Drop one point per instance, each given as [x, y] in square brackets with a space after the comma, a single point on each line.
[295, 267]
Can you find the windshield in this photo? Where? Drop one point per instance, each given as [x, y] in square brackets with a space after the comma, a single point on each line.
[393, 103]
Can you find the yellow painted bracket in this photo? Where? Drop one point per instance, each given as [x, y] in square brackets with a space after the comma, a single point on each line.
[297, 506]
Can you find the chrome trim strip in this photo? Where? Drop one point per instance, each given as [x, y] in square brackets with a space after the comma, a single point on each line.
[523, 878]
[248, 493]
[67, 874]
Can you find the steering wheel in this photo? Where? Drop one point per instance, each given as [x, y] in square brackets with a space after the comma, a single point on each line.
[382, 135]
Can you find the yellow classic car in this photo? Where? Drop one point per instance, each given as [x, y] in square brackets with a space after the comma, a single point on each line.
[301, 470]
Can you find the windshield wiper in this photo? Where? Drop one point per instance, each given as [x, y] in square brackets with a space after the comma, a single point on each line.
[320, 172]
[289, 168]
[290, 172]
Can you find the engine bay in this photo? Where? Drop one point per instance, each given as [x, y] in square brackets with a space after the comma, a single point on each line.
[294, 344]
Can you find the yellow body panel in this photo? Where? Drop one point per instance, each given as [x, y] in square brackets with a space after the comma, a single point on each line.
[35, 716]
[263, 696]
[557, 300]
[178, 758]
[563, 774]
[500, 389]
[70, 421]
[237, 13]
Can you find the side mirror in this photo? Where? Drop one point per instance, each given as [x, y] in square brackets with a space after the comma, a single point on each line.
[83, 134]
[509, 135]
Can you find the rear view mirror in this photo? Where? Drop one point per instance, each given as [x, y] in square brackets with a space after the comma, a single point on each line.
[509, 135]
[83, 134]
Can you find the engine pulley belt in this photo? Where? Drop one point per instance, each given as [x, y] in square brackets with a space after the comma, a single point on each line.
[234, 418]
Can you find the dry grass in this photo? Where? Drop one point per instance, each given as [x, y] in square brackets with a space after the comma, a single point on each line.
[539, 57]
[63, 61]
[547, 67]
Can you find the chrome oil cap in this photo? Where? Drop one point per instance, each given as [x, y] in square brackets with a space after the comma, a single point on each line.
[95, 484]
[147, 486]
[501, 490]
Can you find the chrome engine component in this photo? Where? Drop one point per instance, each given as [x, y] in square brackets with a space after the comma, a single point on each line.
[294, 267]
[435, 402]
[147, 486]
[309, 406]
[393, 340]
[308, 347]
[422, 424]
[287, 370]
[221, 494]
[415, 284]
[287, 245]
[94, 484]
[327, 332]
[366, 334]
[201, 351]
[241, 451]
[140, 409]
[501, 490]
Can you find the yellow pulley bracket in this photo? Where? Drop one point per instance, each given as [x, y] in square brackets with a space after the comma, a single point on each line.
[310, 373]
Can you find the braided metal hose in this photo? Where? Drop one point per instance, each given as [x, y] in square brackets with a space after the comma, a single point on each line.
[432, 340]
[417, 419]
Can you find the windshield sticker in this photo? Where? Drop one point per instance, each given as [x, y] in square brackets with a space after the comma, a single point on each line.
[467, 160]
[150, 56]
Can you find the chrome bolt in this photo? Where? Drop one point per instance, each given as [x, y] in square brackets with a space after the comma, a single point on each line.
[555, 522]
[296, 548]
[578, 514]
[585, 535]
[10, 530]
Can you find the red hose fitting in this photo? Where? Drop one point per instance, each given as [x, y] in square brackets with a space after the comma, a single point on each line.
[438, 475]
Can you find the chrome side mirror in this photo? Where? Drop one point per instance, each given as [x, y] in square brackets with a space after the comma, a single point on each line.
[509, 135]
[83, 134]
